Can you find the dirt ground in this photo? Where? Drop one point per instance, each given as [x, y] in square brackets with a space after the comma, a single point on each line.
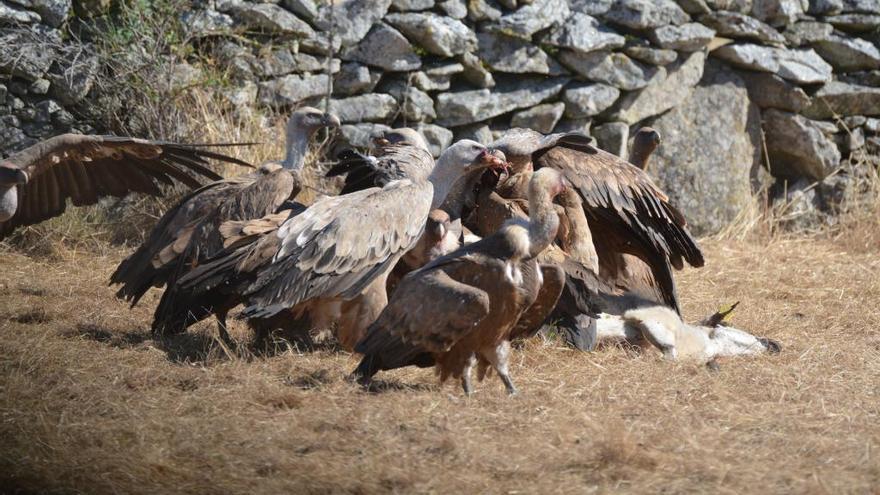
[90, 403]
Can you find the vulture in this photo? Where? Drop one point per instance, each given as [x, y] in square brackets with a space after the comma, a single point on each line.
[189, 232]
[619, 236]
[331, 261]
[36, 183]
[645, 143]
[462, 309]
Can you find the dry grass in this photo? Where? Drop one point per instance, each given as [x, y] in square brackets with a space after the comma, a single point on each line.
[89, 403]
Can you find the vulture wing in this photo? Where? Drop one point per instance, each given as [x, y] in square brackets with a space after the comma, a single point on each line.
[190, 232]
[87, 168]
[623, 204]
[336, 247]
[363, 171]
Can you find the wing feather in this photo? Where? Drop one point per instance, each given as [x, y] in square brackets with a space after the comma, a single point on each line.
[86, 168]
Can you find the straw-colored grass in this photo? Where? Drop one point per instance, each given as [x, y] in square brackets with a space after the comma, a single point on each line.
[90, 403]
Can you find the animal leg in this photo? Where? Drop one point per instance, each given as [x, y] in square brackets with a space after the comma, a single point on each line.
[466, 375]
[221, 329]
[499, 357]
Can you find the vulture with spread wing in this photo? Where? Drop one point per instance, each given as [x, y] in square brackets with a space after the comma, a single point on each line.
[463, 309]
[189, 233]
[330, 261]
[620, 237]
[36, 183]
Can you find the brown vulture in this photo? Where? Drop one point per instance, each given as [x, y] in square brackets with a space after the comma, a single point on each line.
[463, 309]
[36, 183]
[620, 236]
[189, 233]
[331, 261]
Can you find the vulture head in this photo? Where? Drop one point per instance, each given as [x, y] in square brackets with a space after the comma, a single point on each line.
[645, 142]
[518, 145]
[401, 135]
[311, 119]
[464, 158]
[300, 127]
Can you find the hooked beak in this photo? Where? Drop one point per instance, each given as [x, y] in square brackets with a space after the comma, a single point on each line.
[494, 160]
[380, 141]
[331, 120]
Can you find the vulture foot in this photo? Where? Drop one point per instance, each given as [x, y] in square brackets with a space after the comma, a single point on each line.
[466, 383]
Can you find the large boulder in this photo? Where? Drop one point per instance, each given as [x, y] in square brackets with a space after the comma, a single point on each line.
[771, 91]
[644, 14]
[386, 48]
[504, 53]
[542, 118]
[351, 20]
[848, 54]
[615, 69]
[797, 147]
[687, 37]
[292, 89]
[372, 107]
[587, 100]
[583, 33]
[273, 19]
[711, 148]
[669, 87]
[802, 66]
[741, 26]
[529, 19]
[778, 12]
[439, 35]
[840, 98]
[467, 107]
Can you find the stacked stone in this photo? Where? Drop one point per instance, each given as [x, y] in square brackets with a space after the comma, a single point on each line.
[732, 85]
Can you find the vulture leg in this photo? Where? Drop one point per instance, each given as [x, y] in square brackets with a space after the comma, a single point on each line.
[498, 357]
[466, 382]
[221, 328]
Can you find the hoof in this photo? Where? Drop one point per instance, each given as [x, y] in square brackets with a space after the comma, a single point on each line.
[772, 346]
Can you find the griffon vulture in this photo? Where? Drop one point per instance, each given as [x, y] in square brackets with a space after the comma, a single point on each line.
[462, 309]
[36, 183]
[189, 233]
[331, 261]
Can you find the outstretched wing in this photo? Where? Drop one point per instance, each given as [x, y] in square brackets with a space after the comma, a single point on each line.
[87, 168]
[627, 213]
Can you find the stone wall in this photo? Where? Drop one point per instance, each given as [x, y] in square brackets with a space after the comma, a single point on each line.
[747, 94]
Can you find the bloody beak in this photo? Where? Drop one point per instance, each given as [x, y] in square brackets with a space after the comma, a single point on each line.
[495, 160]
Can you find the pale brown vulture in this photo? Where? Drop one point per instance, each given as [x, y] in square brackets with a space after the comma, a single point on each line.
[463, 309]
[189, 233]
[36, 183]
[331, 261]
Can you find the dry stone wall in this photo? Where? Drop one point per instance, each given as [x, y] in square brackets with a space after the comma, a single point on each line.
[747, 94]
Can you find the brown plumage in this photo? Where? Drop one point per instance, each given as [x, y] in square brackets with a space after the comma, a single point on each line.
[36, 182]
[623, 210]
[189, 233]
[330, 262]
[462, 309]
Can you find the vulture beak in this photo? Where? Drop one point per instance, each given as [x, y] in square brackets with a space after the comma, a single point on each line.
[12, 175]
[494, 160]
[330, 120]
[380, 141]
